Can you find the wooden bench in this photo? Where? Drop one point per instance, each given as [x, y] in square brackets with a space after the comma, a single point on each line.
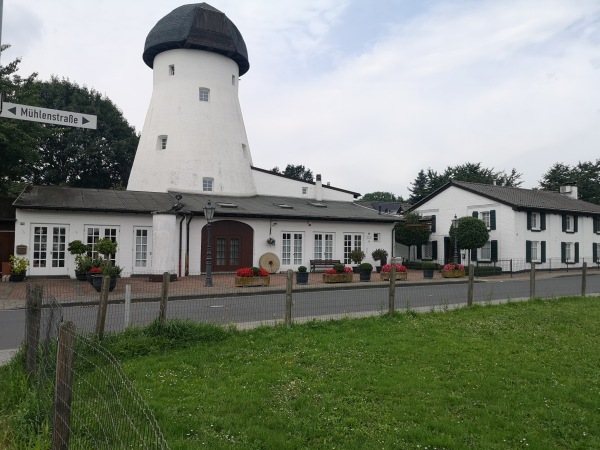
[323, 263]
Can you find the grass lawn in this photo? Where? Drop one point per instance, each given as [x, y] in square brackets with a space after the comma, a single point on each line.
[519, 375]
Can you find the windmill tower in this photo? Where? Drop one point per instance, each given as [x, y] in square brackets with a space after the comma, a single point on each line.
[194, 139]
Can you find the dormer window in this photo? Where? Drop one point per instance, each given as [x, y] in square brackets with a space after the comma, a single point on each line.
[161, 144]
[204, 94]
[207, 184]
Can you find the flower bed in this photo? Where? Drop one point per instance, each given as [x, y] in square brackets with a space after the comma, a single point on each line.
[339, 274]
[453, 271]
[252, 276]
[400, 276]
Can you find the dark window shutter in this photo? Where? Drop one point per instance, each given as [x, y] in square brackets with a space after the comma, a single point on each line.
[494, 250]
[542, 221]
[543, 250]
[564, 222]
[529, 220]
[563, 252]
[576, 252]
[575, 223]
[493, 219]
[433, 224]
[475, 214]
[595, 252]
[474, 254]
[419, 252]
[528, 251]
[434, 250]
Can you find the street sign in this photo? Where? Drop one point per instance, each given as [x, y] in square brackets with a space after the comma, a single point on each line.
[53, 116]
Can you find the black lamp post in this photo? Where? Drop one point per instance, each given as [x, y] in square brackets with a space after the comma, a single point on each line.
[209, 213]
[455, 226]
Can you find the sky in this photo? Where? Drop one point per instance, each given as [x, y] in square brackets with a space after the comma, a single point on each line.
[366, 93]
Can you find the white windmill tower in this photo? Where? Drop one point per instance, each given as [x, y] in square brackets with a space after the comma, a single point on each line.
[194, 139]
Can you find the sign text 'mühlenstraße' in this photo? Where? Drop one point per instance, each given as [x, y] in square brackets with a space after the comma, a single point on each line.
[57, 117]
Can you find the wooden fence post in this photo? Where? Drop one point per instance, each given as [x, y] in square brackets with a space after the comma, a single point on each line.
[63, 387]
[164, 298]
[583, 278]
[470, 288]
[287, 320]
[32, 326]
[532, 282]
[101, 319]
[392, 297]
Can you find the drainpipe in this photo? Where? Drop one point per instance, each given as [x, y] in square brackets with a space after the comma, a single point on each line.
[187, 244]
[180, 242]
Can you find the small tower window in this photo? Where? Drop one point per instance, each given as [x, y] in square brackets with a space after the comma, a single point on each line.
[207, 184]
[161, 143]
[233, 80]
[172, 69]
[204, 93]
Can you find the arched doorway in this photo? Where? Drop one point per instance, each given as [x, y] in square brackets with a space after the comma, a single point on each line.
[232, 246]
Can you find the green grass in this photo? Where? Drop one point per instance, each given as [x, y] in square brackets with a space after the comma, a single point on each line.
[519, 375]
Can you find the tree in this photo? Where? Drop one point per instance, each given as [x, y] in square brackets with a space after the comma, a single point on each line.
[426, 183]
[380, 196]
[586, 175]
[412, 231]
[471, 234]
[81, 157]
[299, 172]
[18, 138]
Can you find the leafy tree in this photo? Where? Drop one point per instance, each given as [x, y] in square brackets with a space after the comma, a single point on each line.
[470, 234]
[299, 172]
[380, 196]
[426, 183]
[18, 138]
[586, 175]
[412, 231]
[81, 157]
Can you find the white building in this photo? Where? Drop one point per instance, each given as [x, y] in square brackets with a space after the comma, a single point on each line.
[526, 225]
[194, 145]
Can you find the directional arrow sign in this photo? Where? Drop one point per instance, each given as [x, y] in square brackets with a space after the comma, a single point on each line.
[53, 116]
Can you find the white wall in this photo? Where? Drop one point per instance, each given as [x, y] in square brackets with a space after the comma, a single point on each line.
[269, 184]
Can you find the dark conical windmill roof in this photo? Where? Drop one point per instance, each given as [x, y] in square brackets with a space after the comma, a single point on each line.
[197, 26]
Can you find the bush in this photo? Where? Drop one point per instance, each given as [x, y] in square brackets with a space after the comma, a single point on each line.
[365, 267]
[487, 271]
[357, 256]
[379, 254]
[302, 269]
[428, 265]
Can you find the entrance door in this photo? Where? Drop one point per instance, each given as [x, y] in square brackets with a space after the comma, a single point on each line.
[49, 250]
[292, 249]
[231, 246]
[142, 250]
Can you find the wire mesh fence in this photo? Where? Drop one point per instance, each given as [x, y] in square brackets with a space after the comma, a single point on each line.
[81, 389]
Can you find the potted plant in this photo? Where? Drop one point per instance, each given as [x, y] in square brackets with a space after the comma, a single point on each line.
[105, 247]
[78, 249]
[401, 272]
[428, 268]
[302, 275]
[112, 271]
[252, 276]
[356, 256]
[18, 268]
[339, 274]
[380, 255]
[452, 270]
[270, 240]
[365, 270]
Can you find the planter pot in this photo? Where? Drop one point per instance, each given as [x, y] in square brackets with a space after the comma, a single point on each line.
[378, 269]
[81, 276]
[383, 261]
[355, 269]
[365, 275]
[427, 273]
[301, 277]
[400, 276]
[337, 278]
[17, 277]
[453, 273]
[97, 283]
[252, 281]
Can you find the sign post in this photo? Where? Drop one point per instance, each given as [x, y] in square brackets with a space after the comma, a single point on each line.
[52, 116]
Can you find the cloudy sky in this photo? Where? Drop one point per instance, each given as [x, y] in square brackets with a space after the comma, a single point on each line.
[365, 92]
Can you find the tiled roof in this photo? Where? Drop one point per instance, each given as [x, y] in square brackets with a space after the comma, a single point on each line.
[259, 206]
[521, 199]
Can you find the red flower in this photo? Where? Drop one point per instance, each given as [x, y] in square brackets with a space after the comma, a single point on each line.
[252, 272]
[454, 267]
[330, 271]
[388, 267]
[96, 270]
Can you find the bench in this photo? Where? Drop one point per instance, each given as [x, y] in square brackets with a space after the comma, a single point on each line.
[323, 263]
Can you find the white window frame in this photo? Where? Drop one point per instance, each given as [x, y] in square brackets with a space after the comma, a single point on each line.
[427, 251]
[569, 252]
[323, 245]
[208, 184]
[49, 249]
[376, 237]
[485, 217]
[352, 241]
[204, 94]
[485, 252]
[570, 223]
[536, 255]
[161, 143]
[304, 190]
[535, 221]
[142, 249]
[93, 233]
[292, 248]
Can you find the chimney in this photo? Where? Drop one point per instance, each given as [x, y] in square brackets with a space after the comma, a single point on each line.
[318, 188]
[570, 190]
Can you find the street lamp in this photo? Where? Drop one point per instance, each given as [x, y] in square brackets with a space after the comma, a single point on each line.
[455, 226]
[209, 213]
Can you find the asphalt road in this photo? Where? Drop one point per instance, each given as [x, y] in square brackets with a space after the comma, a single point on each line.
[336, 302]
